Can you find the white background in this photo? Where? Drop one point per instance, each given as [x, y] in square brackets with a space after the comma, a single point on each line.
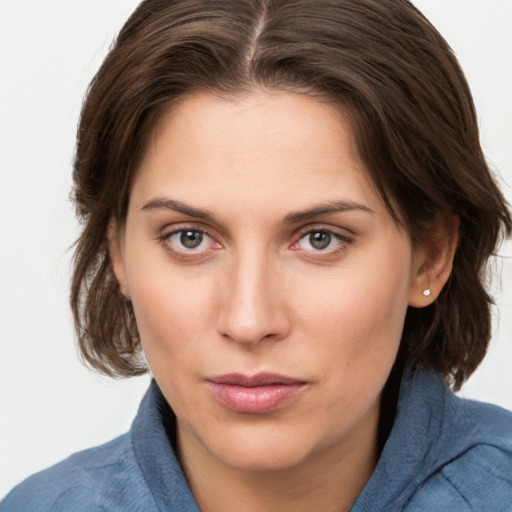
[50, 405]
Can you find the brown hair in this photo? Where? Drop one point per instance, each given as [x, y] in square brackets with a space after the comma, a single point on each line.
[380, 60]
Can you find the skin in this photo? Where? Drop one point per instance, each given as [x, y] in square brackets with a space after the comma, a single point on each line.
[256, 295]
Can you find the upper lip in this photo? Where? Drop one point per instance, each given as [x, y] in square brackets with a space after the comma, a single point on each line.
[260, 379]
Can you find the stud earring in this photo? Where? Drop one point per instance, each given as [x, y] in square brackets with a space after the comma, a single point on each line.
[426, 292]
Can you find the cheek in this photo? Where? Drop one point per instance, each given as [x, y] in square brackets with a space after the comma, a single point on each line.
[174, 319]
[360, 338]
[174, 311]
[358, 351]
[360, 308]
[357, 320]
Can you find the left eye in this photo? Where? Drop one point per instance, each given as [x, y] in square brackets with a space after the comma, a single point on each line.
[319, 241]
[189, 240]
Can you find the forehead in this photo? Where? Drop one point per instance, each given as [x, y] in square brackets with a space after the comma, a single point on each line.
[260, 140]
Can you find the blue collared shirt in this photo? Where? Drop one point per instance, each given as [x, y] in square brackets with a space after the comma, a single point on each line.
[443, 454]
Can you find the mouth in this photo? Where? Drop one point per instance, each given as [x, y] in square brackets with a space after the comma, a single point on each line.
[257, 394]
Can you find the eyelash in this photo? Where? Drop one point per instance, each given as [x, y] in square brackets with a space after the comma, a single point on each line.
[184, 254]
[343, 242]
[188, 255]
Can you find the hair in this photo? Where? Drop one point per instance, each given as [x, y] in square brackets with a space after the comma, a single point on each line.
[381, 61]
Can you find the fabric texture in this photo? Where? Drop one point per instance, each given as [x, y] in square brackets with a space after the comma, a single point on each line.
[443, 453]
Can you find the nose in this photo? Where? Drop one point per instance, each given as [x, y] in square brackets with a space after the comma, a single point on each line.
[252, 304]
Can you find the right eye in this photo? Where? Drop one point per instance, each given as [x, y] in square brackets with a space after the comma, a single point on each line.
[188, 240]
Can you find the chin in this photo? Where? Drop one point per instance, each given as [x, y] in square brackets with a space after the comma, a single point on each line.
[264, 459]
[257, 450]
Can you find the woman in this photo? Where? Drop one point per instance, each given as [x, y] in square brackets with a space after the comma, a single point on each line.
[287, 216]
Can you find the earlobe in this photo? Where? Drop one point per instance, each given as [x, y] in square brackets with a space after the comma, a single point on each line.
[116, 257]
[434, 261]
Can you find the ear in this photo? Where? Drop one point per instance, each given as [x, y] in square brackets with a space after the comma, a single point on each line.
[115, 241]
[433, 260]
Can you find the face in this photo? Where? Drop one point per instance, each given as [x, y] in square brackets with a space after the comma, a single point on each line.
[269, 281]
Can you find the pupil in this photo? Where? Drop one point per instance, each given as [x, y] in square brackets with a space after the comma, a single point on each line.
[191, 239]
[320, 240]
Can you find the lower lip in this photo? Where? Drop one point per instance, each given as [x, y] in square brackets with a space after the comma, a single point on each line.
[255, 400]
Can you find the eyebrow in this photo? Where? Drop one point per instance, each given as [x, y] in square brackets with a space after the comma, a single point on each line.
[292, 218]
[171, 204]
[326, 209]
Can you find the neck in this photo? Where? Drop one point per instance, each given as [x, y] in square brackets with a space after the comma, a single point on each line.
[330, 479]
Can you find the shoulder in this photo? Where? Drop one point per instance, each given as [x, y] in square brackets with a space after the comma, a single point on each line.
[479, 476]
[480, 479]
[99, 479]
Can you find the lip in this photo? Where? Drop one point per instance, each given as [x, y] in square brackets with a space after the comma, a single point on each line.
[257, 394]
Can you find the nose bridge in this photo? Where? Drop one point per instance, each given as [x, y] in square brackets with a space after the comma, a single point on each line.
[250, 306]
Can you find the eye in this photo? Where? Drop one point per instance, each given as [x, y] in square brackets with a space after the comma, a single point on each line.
[188, 240]
[321, 240]
[191, 239]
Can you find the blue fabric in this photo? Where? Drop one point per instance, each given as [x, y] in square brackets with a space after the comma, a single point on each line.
[443, 453]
